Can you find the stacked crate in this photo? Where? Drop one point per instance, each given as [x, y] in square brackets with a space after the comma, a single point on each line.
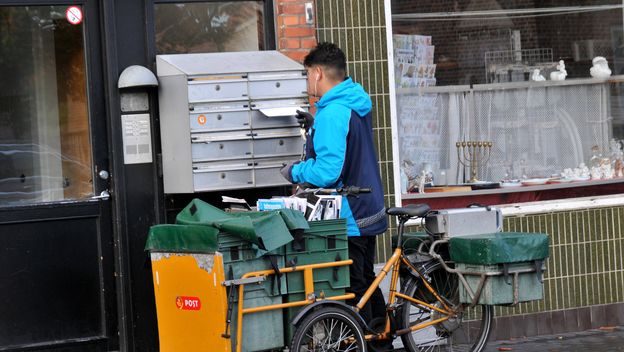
[325, 241]
[239, 258]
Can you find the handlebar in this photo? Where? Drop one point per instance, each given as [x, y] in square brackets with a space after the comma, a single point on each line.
[347, 190]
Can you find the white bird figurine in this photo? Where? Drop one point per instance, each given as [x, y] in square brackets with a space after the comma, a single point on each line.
[536, 76]
[561, 72]
[600, 69]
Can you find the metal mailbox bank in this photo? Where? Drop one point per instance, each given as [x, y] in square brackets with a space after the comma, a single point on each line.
[227, 119]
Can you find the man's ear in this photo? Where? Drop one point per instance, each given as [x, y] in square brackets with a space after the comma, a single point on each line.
[319, 72]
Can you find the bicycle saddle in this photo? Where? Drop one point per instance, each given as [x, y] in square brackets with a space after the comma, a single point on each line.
[411, 210]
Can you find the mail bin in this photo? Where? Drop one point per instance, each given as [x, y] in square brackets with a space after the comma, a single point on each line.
[191, 302]
[240, 238]
[512, 264]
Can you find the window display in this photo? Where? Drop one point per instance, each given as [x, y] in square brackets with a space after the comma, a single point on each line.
[507, 93]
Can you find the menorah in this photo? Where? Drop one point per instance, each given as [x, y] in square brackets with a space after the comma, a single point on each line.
[473, 154]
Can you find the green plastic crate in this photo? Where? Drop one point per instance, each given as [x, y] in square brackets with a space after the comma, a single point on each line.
[498, 292]
[291, 313]
[325, 241]
[260, 330]
[239, 258]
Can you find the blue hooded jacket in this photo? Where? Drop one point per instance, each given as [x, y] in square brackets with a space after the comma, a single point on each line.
[340, 152]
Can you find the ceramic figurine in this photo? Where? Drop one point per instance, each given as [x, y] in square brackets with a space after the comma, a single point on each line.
[618, 168]
[600, 69]
[594, 161]
[411, 174]
[583, 170]
[616, 158]
[404, 181]
[561, 72]
[421, 181]
[595, 173]
[536, 76]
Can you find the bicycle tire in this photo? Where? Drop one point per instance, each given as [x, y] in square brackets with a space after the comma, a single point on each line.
[328, 329]
[455, 334]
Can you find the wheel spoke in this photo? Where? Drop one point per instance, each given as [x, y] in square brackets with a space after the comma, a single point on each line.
[351, 347]
[462, 331]
[328, 330]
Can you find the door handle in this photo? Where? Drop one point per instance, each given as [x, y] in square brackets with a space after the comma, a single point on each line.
[105, 195]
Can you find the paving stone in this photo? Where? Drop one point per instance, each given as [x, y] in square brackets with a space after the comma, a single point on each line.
[606, 339]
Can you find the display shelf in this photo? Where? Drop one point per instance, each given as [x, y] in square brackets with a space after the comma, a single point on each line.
[501, 196]
[512, 189]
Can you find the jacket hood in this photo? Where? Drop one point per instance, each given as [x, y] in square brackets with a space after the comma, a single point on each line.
[349, 94]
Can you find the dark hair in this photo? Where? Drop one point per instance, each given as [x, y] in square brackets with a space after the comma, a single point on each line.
[330, 57]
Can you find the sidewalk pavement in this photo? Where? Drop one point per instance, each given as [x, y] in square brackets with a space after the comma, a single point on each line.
[607, 339]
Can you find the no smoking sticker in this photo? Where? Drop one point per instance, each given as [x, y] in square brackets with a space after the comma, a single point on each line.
[73, 15]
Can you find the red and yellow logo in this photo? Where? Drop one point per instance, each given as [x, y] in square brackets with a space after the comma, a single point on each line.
[201, 119]
[188, 303]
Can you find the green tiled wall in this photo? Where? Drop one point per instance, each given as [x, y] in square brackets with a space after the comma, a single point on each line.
[358, 28]
[586, 264]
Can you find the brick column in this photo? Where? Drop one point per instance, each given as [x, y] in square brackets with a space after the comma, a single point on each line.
[295, 37]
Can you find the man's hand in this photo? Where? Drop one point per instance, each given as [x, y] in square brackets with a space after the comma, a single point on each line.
[286, 171]
[305, 119]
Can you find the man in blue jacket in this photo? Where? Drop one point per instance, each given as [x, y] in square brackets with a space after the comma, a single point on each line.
[340, 152]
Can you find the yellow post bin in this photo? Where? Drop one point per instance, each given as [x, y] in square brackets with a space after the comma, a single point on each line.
[191, 302]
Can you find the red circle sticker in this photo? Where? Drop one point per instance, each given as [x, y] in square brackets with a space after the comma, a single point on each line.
[201, 119]
[73, 15]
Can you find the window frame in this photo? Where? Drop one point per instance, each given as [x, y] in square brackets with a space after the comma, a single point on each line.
[524, 207]
[269, 22]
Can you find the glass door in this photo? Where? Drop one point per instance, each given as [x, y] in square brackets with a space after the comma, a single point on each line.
[56, 248]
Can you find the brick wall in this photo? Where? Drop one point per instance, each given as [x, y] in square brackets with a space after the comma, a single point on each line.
[295, 37]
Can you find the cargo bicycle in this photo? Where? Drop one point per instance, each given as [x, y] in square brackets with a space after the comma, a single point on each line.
[423, 307]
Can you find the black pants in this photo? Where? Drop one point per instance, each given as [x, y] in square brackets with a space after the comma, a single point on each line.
[362, 275]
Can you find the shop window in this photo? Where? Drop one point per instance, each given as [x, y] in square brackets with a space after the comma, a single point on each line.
[493, 71]
[45, 151]
[206, 27]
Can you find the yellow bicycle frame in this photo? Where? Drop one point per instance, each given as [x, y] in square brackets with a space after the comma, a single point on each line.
[394, 263]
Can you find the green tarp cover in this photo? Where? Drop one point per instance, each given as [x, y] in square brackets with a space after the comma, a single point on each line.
[182, 239]
[497, 248]
[267, 230]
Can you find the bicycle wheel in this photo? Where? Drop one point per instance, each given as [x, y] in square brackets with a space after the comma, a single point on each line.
[328, 329]
[467, 331]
